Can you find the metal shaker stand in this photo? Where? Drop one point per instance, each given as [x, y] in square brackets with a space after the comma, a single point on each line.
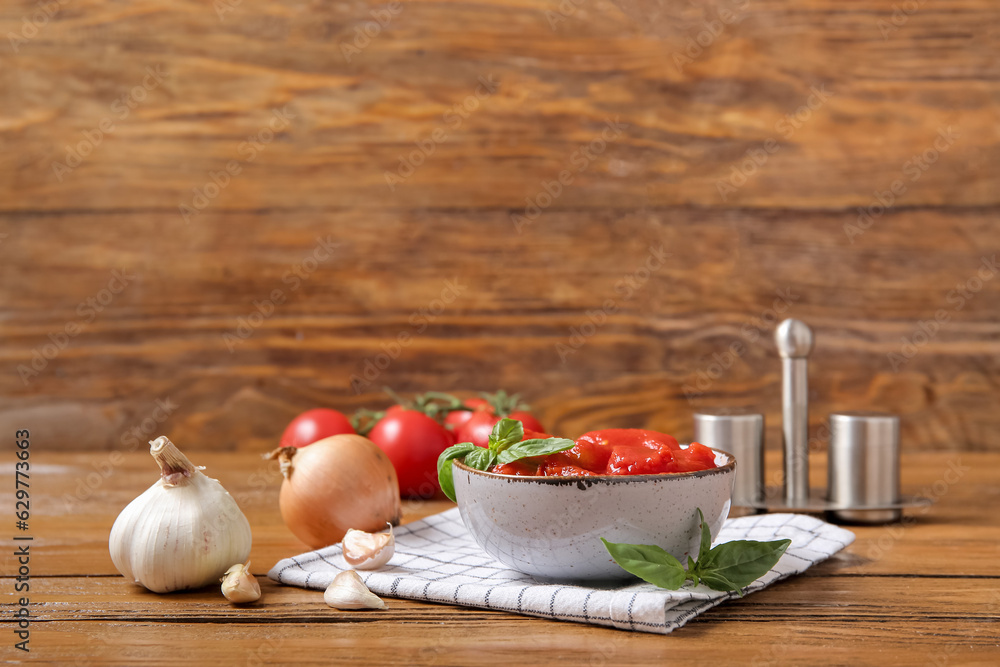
[863, 466]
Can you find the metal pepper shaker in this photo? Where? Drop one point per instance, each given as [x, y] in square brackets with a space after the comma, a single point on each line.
[794, 340]
[741, 433]
[863, 470]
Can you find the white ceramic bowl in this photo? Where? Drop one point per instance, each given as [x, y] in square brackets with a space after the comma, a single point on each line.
[551, 527]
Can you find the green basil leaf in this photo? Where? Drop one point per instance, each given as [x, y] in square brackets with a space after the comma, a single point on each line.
[706, 537]
[505, 433]
[480, 458]
[741, 562]
[535, 447]
[726, 567]
[692, 571]
[445, 478]
[649, 563]
[718, 582]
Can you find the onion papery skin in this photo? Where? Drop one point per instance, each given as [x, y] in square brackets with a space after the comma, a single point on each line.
[335, 484]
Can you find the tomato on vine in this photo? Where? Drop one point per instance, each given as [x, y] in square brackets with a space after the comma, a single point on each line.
[414, 432]
[314, 425]
[412, 441]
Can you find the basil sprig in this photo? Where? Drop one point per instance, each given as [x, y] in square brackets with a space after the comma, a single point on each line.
[725, 567]
[505, 446]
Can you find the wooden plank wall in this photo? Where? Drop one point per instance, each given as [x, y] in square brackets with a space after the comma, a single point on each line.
[390, 203]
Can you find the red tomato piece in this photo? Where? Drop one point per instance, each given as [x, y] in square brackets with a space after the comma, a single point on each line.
[521, 468]
[696, 457]
[635, 437]
[555, 468]
[589, 455]
[638, 460]
[620, 451]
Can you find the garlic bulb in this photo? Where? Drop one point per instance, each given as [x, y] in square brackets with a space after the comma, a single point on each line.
[182, 532]
[239, 585]
[366, 551]
[348, 591]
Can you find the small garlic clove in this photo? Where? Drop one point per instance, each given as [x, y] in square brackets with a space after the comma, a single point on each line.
[239, 586]
[368, 551]
[348, 591]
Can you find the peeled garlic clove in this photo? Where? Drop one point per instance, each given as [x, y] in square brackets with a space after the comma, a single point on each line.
[348, 591]
[239, 586]
[368, 551]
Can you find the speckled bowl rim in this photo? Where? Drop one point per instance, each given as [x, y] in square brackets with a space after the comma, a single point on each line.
[589, 480]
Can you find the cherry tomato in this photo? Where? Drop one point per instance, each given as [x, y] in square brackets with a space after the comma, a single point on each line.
[412, 441]
[458, 418]
[528, 420]
[314, 425]
[477, 430]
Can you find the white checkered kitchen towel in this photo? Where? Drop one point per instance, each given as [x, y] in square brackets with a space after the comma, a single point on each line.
[436, 560]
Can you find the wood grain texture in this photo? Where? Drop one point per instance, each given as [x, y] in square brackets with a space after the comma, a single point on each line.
[190, 92]
[164, 338]
[888, 98]
[928, 595]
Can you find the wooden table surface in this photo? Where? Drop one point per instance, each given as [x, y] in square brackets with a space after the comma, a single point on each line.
[923, 592]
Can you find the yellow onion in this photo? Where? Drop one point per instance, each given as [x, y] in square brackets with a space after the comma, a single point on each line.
[335, 484]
